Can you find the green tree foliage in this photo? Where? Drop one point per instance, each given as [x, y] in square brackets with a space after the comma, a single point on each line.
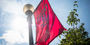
[76, 35]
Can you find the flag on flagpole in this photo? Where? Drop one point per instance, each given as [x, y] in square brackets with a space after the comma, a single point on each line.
[48, 25]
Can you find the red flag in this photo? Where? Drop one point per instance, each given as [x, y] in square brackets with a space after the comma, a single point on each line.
[47, 24]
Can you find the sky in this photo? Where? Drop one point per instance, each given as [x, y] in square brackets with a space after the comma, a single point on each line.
[13, 22]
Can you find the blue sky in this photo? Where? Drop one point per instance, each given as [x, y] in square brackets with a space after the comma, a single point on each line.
[13, 22]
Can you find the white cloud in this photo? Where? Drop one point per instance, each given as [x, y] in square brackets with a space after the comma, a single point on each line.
[18, 32]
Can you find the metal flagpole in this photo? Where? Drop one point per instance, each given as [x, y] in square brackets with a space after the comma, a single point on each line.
[28, 10]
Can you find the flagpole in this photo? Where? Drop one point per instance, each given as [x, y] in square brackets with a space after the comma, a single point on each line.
[28, 10]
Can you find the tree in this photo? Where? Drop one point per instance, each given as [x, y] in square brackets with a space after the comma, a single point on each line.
[76, 35]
